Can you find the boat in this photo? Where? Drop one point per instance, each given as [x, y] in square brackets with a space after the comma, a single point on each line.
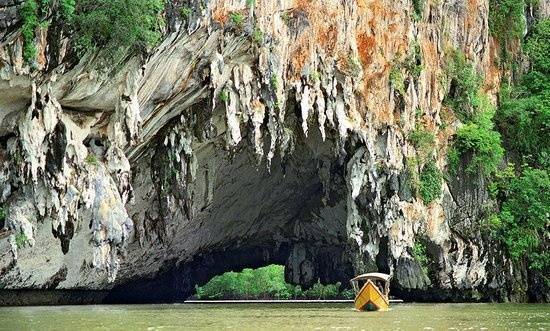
[371, 291]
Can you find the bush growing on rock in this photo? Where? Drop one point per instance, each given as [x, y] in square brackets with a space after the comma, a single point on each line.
[523, 192]
[2, 215]
[418, 6]
[185, 12]
[524, 113]
[20, 239]
[476, 136]
[117, 26]
[507, 19]
[480, 139]
[29, 16]
[464, 84]
[237, 19]
[430, 182]
[524, 215]
[422, 140]
[420, 256]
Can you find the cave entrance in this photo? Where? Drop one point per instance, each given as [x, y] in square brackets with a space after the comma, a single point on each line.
[245, 215]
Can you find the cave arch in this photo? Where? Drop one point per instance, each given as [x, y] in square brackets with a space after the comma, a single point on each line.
[247, 215]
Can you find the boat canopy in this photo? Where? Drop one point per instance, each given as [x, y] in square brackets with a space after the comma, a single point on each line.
[373, 276]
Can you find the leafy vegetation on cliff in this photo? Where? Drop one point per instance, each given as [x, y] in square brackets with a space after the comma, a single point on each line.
[2, 215]
[507, 19]
[21, 240]
[476, 139]
[116, 27]
[418, 6]
[523, 217]
[464, 84]
[265, 283]
[479, 139]
[523, 189]
[430, 182]
[422, 140]
[524, 114]
[29, 16]
[420, 256]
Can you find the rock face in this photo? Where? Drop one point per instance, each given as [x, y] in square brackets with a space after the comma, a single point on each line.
[221, 150]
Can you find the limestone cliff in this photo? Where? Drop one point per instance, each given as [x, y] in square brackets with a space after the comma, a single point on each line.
[284, 138]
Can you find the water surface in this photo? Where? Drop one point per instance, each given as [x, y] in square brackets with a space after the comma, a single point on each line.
[277, 316]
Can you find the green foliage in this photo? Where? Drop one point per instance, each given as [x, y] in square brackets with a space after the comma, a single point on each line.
[249, 283]
[67, 9]
[522, 222]
[320, 291]
[21, 239]
[419, 255]
[507, 19]
[237, 18]
[354, 65]
[91, 159]
[266, 282]
[32, 11]
[397, 80]
[463, 96]
[258, 36]
[524, 216]
[286, 17]
[223, 96]
[479, 139]
[413, 62]
[524, 113]
[274, 82]
[314, 76]
[430, 182]
[538, 49]
[185, 12]
[250, 3]
[347, 294]
[413, 177]
[540, 261]
[453, 159]
[29, 17]
[422, 140]
[43, 7]
[2, 214]
[501, 179]
[410, 66]
[418, 6]
[117, 27]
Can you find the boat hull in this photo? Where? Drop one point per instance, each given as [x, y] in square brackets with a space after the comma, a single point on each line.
[370, 298]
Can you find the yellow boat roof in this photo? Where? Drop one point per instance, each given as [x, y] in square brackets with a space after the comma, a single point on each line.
[373, 275]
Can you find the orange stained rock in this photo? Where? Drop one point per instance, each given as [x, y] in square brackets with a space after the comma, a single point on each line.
[322, 32]
[298, 59]
[471, 14]
[366, 47]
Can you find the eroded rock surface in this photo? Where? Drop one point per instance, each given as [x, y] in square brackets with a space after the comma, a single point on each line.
[219, 151]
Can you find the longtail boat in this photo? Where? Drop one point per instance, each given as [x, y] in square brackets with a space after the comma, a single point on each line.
[371, 291]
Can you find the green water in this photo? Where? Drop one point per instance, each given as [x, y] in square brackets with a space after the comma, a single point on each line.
[277, 317]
